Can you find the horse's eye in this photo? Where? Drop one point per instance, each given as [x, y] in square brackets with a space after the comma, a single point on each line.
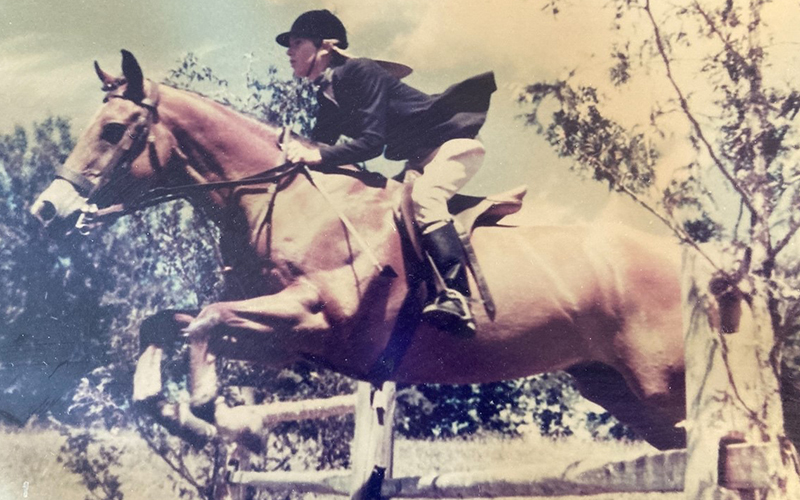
[113, 132]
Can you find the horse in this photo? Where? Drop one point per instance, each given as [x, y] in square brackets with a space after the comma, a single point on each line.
[310, 250]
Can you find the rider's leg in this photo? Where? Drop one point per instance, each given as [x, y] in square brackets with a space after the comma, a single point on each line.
[446, 171]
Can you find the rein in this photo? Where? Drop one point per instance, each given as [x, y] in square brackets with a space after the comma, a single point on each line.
[157, 195]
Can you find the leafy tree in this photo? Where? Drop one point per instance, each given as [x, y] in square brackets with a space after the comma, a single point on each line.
[49, 314]
[725, 100]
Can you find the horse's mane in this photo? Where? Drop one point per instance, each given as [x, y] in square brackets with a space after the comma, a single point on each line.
[227, 107]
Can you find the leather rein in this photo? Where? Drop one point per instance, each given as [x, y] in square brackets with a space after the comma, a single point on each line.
[94, 186]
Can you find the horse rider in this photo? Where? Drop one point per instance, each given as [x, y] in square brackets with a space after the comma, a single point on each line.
[435, 134]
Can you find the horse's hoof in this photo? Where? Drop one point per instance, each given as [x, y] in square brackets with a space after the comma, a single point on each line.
[253, 442]
[178, 420]
[150, 406]
[205, 411]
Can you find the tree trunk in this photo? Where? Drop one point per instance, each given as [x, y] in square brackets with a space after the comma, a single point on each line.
[733, 395]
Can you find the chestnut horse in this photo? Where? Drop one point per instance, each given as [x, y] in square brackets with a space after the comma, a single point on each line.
[603, 305]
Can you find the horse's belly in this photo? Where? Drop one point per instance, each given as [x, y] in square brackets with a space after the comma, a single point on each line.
[494, 354]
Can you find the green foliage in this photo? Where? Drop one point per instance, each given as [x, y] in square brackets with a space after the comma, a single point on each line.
[288, 103]
[599, 146]
[549, 403]
[737, 119]
[50, 319]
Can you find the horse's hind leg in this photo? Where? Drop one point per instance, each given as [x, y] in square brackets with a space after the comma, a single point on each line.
[655, 423]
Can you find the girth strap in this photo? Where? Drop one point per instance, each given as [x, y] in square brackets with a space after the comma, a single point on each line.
[409, 318]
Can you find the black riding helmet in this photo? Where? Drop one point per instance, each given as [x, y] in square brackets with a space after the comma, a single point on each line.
[316, 24]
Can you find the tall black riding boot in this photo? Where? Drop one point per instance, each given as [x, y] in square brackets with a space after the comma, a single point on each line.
[450, 309]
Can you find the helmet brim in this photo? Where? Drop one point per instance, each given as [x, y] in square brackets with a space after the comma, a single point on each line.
[283, 38]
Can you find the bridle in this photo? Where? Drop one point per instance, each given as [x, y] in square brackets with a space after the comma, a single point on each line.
[136, 138]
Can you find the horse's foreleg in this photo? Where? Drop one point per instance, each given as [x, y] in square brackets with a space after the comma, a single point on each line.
[156, 333]
[203, 382]
[147, 377]
[246, 329]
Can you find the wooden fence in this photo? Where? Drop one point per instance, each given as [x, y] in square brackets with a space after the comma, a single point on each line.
[371, 456]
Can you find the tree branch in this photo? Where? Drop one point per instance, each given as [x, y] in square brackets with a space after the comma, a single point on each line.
[179, 468]
[679, 232]
[728, 47]
[776, 249]
[690, 116]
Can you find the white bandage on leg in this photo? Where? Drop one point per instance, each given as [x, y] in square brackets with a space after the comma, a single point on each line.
[444, 172]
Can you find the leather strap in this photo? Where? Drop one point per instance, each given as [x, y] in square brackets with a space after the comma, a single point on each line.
[80, 181]
[89, 186]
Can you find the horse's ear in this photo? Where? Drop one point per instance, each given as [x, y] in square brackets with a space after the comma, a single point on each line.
[133, 75]
[109, 82]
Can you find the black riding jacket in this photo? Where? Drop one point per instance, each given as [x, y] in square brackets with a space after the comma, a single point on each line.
[384, 115]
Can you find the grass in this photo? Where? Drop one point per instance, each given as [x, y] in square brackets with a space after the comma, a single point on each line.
[545, 456]
[30, 455]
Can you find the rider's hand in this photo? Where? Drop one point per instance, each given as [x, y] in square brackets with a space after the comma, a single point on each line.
[296, 152]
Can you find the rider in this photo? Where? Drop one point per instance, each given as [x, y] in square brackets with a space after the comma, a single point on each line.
[436, 135]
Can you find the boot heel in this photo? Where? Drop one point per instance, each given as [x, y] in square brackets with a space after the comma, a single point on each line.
[450, 312]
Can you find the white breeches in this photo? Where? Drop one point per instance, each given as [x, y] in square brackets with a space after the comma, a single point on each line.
[446, 170]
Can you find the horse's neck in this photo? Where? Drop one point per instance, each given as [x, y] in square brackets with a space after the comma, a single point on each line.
[218, 143]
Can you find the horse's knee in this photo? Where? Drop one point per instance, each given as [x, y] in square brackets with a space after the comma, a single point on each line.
[662, 387]
[162, 328]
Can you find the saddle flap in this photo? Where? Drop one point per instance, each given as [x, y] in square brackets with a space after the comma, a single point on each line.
[474, 211]
[469, 212]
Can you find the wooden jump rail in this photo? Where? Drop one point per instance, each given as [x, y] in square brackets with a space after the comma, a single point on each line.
[256, 417]
[371, 478]
[371, 452]
[651, 473]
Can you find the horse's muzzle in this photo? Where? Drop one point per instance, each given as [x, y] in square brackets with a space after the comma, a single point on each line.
[58, 208]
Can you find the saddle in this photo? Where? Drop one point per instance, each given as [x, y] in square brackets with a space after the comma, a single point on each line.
[468, 213]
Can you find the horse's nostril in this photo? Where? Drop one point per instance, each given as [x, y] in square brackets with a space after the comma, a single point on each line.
[47, 212]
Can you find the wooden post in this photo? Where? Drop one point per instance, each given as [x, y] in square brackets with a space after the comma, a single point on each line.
[730, 398]
[234, 456]
[373, 444]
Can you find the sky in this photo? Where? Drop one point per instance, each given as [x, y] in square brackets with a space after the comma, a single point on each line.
[47, 48]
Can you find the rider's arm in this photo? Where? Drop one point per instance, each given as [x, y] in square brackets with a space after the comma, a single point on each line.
[362, 93]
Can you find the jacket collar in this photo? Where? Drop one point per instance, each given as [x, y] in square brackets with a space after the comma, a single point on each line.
[324, 83]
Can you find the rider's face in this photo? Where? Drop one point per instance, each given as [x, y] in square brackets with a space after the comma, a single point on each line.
[302, 56]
